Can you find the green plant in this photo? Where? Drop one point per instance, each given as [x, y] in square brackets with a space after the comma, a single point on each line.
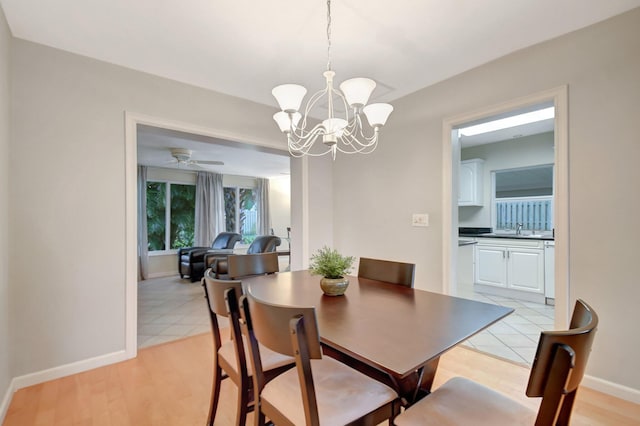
[329, 263]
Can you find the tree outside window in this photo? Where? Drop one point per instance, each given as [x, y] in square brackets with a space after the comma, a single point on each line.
[176, 229]
[241, 214]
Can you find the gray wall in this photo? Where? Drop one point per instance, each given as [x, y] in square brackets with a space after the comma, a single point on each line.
[521, 152]
[5, 39]
[67, 199]
[601, 65]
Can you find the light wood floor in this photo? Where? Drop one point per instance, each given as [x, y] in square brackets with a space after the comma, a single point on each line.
[170, 384]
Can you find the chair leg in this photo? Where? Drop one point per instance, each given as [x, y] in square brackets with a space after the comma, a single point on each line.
[242, 407]
[215, 395]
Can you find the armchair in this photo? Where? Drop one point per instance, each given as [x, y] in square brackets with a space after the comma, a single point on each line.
[219, 265]
[191, 259]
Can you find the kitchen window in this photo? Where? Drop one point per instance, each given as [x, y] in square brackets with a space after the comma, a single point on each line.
[523, 196]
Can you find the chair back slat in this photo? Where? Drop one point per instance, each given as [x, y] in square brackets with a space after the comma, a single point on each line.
[244, 265]
[579, 338]
[388, 271]
[271, 326]
[215, 290]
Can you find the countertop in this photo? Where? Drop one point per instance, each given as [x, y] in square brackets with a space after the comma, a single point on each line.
[466, 243]
[512, 236]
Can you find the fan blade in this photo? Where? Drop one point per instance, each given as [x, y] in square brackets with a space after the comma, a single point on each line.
[209, 162]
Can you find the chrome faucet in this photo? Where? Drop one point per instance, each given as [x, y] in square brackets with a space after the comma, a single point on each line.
[519, 228]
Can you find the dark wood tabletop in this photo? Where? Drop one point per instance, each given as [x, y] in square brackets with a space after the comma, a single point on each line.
[394, 329]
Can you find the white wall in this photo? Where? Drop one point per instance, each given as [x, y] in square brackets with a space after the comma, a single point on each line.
[521, 152]
[5, 375]
[67, 197]
[280, 206]
[374, 195]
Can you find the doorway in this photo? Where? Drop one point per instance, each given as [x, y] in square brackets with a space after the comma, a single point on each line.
[557, 98]
[132, 123]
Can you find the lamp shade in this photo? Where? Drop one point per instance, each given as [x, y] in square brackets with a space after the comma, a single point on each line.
[377, 114]
[289, 96]
[334, 126]
[357, 91]
[284, 122]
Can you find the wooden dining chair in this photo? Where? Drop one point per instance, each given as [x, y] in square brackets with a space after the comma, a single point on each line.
[557, 370]
[320, 390]
[386, 270]
[245, 265]
[230, 357]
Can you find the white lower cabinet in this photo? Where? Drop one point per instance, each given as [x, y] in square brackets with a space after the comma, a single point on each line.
[516, 265]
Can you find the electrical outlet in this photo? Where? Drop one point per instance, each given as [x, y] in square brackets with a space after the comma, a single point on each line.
[420, 219]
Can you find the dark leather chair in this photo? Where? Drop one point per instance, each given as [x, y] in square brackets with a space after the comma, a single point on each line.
[219, 263]
[191, 259]
[557, 371]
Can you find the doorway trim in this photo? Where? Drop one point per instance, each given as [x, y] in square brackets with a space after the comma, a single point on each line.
[131, 206]
[559, 97]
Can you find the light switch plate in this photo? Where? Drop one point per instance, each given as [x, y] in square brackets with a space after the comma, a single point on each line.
[420, 219]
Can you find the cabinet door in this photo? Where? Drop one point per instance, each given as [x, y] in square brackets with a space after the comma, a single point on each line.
[491, 266]
[525, 270]
[467, 184]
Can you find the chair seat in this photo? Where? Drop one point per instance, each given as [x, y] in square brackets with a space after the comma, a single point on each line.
[464, 402]
[270, 359]
[343, 394]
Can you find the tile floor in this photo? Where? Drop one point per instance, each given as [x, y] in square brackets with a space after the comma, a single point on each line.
[515, 337]
[170, 308]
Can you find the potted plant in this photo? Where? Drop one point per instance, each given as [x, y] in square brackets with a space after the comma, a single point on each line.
[333, 267]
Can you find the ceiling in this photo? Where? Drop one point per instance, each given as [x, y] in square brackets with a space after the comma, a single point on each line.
[246, 47]
[154, 149]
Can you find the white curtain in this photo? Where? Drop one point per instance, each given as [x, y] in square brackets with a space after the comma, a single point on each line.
[209, 220]
[262, 200]
[143, 244]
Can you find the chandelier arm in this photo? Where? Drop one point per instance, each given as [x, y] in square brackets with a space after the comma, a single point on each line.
[360, 148]
[300, 143]
[351, 138]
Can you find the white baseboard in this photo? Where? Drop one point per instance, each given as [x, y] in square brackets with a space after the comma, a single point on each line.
[55, 373]
[68, 369]
[6, 401]
[613, 389]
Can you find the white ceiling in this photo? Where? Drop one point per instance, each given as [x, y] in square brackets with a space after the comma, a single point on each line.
[246, 47]
[154, 146]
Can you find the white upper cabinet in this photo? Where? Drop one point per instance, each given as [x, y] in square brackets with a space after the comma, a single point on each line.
[471, 183]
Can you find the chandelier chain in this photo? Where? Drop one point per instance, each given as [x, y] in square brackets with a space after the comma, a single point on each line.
[328, 34]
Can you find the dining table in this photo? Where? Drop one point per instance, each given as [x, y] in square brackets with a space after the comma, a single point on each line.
[392, 333]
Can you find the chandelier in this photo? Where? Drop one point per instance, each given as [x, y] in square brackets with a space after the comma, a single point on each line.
[345, 133]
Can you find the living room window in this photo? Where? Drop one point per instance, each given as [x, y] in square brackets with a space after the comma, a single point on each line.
[170, 215]
[241, 212]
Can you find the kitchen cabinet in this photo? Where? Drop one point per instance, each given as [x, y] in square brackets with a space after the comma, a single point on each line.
[517, 266]
[471, 183]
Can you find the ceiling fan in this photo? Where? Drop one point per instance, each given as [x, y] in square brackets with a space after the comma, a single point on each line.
[182, 157]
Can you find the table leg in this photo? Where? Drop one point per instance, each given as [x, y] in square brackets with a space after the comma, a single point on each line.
[411, 388]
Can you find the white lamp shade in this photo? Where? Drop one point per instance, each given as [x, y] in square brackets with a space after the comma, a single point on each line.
[357, 91]
[334, 126]
[284, 122]
[289, 96]
[377, 114]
